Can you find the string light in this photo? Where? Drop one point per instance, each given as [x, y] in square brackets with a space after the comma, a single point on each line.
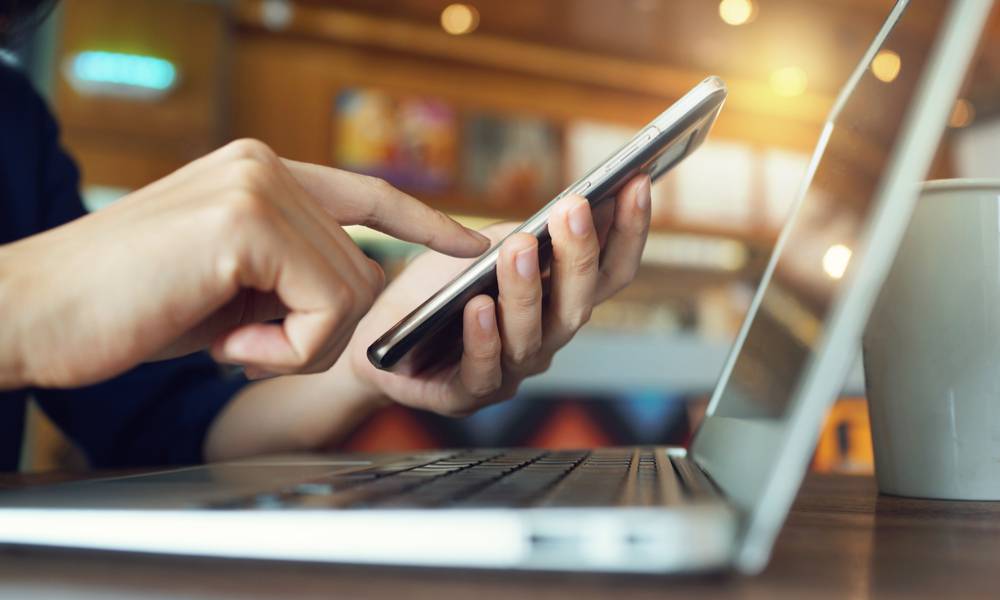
[886, 65]
[737, 12]
[459, 19]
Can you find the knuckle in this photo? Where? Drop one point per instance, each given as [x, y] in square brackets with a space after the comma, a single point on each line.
[377, 277]
[524, 352]
[629, 275]
[365, 299]
[543, 365]
[619, 279]
[367, 288]
[248, 175]
[378, 184]
[526, 301]
[347, 303]
[482, 389]
[301, 361]
[579, 318]
[586, 262]
[506, 390]
[342, 301]
[324, 364]
[453, 410]
[314, 368]
[243, 207]
[370, 215]
[249, 148]
[485, 350]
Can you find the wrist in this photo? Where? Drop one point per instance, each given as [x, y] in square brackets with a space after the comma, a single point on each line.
[353, 385]
[349, 402]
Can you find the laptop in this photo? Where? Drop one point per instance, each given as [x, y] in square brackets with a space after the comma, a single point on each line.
[718, 505]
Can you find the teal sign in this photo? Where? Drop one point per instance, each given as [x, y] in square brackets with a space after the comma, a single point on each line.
[121, 74]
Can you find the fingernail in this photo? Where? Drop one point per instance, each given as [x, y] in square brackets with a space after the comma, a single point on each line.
[579, 218]
[485, 241]
[526, 263]
[486, 317]
[642, 193]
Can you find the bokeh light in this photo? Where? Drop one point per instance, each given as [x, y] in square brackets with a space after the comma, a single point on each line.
[459, 19]
[835, 260]
[737, 12]
[886, 65]
[962, 114]
[789, 81]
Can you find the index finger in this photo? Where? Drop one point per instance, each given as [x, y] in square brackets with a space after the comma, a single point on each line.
[361, 200]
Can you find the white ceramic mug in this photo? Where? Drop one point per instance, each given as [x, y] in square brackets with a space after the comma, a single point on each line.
[932, 349]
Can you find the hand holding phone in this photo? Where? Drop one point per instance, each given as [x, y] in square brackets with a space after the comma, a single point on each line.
[431, 336]
[506, 339]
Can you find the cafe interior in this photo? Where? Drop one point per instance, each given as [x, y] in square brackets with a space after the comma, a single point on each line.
[486, 110]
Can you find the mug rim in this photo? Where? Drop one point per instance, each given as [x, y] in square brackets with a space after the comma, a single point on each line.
[970, 183]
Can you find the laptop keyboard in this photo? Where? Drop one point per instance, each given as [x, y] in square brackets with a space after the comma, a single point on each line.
[501, 479]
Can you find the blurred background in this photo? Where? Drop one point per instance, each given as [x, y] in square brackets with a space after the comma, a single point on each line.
[486, 109]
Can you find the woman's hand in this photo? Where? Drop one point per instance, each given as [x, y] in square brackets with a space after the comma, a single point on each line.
[517, 336]
[207, 257]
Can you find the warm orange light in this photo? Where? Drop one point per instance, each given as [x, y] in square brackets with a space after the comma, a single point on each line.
[459, 19]
[962, 115]
[737, 12]
[885, 66]
[789, 81]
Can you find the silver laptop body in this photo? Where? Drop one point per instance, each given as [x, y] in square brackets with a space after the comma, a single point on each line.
[719, 505]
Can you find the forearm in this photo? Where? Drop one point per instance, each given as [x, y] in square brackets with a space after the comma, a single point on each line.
[303, 413]
[13, 371]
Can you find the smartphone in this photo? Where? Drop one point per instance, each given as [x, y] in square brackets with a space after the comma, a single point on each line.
[430, 337]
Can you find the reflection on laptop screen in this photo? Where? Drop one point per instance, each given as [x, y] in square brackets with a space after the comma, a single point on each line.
[817, 252]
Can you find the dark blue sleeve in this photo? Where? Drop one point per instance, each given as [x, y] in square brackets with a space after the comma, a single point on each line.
[157, 414]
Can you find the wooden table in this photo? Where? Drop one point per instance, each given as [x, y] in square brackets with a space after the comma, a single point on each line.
[842, 540]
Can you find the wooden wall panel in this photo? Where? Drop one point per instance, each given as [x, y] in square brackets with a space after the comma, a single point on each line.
[128, 142]
[337, 46]
[281, 84]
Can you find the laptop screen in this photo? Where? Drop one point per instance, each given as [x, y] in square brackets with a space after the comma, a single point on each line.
[825, 237]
